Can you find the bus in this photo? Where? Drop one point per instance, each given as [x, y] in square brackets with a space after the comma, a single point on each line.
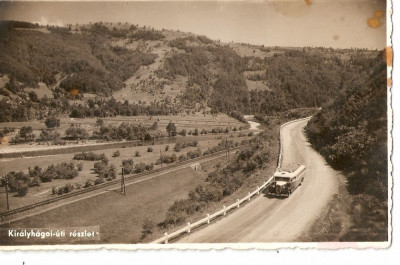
[286, 179]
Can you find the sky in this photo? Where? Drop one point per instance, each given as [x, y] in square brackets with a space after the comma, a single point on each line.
[294, 23]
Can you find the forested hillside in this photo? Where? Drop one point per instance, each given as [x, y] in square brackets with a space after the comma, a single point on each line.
[351, 133]
[74, 70]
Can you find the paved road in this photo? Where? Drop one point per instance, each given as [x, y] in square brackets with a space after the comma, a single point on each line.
[274, 219]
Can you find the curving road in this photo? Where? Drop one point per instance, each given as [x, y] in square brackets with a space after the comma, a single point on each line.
[274, 219]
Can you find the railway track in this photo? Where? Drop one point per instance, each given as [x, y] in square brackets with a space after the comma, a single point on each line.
[109, 183]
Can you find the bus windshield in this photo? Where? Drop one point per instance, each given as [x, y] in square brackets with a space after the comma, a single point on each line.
[282, 179]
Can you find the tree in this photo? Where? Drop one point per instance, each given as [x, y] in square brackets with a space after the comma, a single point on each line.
[76, 133]
[127, 165]
[171, 129]
[99, 122]
[52, 122]
[26, 133]
[147, 228]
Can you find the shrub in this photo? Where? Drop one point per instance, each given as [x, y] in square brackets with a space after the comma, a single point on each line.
[48, 175]
[149, 167]
[183, 132]
[22, 190]
[147, 228]
[98, 181]
[166, 159]
[193, 154]
[166, 148]
[74, 133]
[182, 157]
[116, 154]
[90, 156]
[177, 147]
[80, 166]
[67, 188]
[63, 170]
[52, 122]
[137, 154]
[99, 167]
[139, 168]
[150, 149]
[88, 183]
[127, 165]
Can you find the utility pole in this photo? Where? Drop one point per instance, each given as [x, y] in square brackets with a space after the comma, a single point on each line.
[161, 158]
[123, 182]
[226, 146]
[6, 185]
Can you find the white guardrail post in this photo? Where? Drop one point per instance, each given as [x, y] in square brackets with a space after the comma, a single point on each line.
[238, 202]
[258, 190]
[249, 196]
[188, 229]
[166, 238]
[224, 210]
[208, 218]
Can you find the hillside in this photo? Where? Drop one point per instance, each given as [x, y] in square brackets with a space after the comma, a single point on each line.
[74, 71]
[351, 133]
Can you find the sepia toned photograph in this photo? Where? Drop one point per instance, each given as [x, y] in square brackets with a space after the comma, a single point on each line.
[195, 124]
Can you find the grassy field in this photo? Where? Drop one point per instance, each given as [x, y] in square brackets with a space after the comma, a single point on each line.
[44, 191]
[121, 217]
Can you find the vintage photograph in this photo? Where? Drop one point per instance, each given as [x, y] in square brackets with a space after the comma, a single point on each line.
[251, 124]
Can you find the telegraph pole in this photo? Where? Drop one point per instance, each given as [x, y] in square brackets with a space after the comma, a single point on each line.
[226, 146]
[8, 204]
[161, 158]
[6, 185]
[123, 182]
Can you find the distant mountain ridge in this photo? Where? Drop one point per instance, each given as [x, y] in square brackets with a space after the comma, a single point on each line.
[150, 71]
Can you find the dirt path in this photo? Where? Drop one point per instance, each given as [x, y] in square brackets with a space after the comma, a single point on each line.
[274, 219]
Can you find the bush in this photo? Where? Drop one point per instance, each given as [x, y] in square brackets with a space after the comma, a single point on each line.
[67, 188]
[52, 122]
[166, 159]
[177, 147]
[147, 228]
[193, 154]
[116, 154]
[183, 132]
[141, 167]
[22, 190]
[127, 165]
[63, 170]
[99, 167]
[75, 133]
[88, 183]
[182, 157]
[166, 148]
[150, 149]
[90, 156]
[149, 167]
[137, 154]
[98, 181]
[80, 166]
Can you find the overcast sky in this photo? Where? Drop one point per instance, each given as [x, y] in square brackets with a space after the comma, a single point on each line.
[328, 23]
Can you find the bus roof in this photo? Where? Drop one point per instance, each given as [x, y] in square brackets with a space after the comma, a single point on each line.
[289, 170]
